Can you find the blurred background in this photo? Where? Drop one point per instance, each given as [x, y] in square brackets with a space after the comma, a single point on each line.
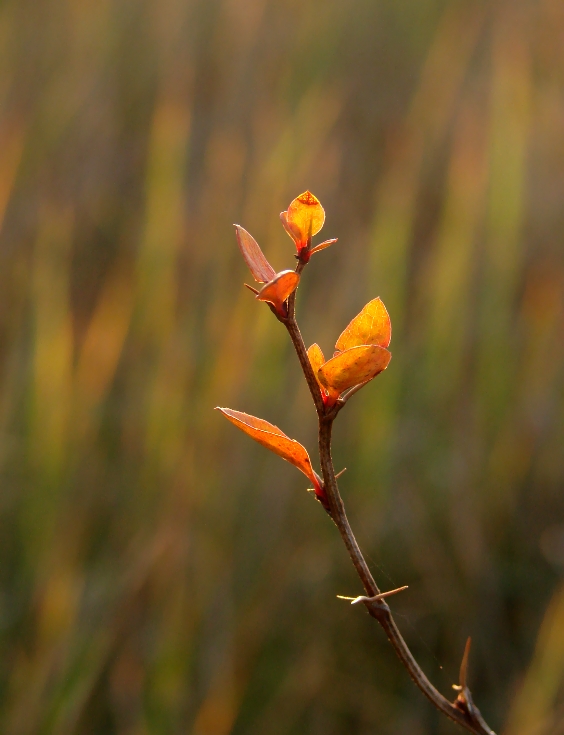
[160, 572]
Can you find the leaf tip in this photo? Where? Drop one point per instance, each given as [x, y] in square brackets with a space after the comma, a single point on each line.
[308, 198]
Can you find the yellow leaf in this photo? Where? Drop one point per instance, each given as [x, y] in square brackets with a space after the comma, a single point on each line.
[371, 327]
[317, 359]
[272, 438]
[305, 217]
[254, 257]
[295, 235]
[279, 288]
[353, 366]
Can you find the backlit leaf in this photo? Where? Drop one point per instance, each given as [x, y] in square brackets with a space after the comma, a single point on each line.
[371, 327]
[254, 257]
[317, 359]
[305, 216]
[323, 245]
[353, 366]
[294, 234]
[279, 288]
[272, 438]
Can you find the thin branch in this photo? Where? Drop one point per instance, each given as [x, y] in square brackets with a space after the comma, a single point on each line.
[297, 340]
[337, 508]
[462, 711]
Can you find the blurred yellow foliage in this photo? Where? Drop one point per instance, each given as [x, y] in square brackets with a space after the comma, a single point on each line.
[159, 573]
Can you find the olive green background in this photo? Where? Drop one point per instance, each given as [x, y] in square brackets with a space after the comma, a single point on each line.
[161, 573]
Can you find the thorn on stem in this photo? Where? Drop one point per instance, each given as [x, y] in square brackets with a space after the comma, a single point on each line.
[381, 596]
[464, 664]
[340, 473]
[251, 288]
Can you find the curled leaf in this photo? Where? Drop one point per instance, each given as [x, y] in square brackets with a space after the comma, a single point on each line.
[272, 438]
[254, 257]
[371, 327]
[279, 288]
[305, 217]
[317, 359]
[353, 366]
[294, 234]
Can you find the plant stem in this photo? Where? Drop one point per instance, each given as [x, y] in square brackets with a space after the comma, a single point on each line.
[337, 508]
[462, 710]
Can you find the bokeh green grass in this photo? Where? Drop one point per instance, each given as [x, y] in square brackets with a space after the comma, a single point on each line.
[160, 573]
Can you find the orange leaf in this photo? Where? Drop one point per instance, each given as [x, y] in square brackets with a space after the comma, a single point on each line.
[317, 360]
[371, 327]
[295, 235]
[279, 288]
[316, 357]
[353, 366]
[305, 217]
[323, 245]
[272, 438]
[254, 257]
